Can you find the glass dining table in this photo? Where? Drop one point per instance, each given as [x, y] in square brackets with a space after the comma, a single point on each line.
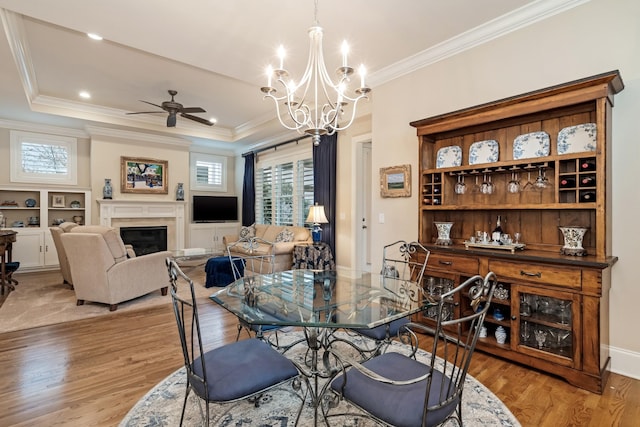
[320, 302]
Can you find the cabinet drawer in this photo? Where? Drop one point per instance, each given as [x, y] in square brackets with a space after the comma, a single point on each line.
[452, 263]
[537, 273]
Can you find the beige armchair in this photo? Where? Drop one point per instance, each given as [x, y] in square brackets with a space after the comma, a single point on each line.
[104, 272]
[56, 232]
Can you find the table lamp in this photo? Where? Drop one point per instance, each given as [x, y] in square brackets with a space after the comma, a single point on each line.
[316, 217]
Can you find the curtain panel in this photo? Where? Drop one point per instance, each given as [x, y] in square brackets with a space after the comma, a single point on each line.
[324, 176]
[249, 191]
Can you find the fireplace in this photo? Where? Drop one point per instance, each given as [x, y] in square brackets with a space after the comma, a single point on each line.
[145, 240]
[142, 213]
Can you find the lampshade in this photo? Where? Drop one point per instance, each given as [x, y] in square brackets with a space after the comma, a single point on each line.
[316, 215]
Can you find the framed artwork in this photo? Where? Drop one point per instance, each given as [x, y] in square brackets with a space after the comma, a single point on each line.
[57, 201]
[145, 176]
[395, 181]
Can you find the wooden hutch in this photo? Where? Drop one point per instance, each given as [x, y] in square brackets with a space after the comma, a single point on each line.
[554, 307]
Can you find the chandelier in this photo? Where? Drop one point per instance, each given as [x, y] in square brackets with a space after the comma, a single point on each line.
[315, 104]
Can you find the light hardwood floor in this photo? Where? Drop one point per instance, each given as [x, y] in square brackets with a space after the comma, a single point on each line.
[91, 372]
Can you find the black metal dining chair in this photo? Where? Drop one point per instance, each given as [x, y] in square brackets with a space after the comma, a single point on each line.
[240, 370]
[397, 390]
[403, 260]
[250, 256]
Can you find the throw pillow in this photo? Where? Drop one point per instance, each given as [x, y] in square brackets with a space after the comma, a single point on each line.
[248, 232]
[285, 235]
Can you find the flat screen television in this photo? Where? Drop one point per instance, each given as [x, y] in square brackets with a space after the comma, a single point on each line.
[215, 208]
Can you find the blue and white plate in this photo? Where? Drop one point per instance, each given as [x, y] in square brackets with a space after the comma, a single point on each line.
[30, 203]
[483, 152]
[534, 144]
[448, 157]
[577, 139]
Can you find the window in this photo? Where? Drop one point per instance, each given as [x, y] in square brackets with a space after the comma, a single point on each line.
[284, 186]
[41, 158]
[208, 172]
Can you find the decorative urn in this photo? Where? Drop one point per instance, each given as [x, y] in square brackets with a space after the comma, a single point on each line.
[444, 230]
[573, 240]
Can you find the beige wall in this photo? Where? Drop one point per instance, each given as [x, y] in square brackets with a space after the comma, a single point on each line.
[598, 36]
[105, 163]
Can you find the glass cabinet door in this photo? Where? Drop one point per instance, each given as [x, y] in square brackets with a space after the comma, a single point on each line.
[547, 322]
[436, 286]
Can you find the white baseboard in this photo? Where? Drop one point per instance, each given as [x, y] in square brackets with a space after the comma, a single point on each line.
[625, 362]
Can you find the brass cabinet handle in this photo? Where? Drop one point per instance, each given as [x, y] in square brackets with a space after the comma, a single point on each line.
[446, 262]
[526, 273]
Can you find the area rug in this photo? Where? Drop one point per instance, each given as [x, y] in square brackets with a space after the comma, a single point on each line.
[279, 407]
[42, 299]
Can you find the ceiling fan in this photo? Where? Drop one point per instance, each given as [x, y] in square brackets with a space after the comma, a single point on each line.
[173, 108]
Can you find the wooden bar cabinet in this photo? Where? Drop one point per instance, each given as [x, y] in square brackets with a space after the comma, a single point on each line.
[546, 157]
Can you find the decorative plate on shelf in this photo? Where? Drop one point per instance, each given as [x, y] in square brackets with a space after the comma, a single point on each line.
[75, 204]
[483, 152]
[449, 157]
[30, 203]
[534, 144]
[576, 139]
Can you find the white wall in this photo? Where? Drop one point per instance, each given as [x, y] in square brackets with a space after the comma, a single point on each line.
[596, 37]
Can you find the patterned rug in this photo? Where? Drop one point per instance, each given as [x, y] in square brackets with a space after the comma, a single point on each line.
[279, 407]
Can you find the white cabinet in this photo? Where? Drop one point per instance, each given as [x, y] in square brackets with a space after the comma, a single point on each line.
[31, 211]
[210, 235]
[34, 248]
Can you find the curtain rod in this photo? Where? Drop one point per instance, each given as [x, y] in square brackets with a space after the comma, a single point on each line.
[275, 145]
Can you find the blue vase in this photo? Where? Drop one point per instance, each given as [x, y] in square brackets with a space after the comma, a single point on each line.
[107, 190]
[180, 192]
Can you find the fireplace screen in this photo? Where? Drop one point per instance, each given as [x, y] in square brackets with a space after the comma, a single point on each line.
[145, 240]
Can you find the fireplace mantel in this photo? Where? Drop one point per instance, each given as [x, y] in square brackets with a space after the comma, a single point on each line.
[113, 213]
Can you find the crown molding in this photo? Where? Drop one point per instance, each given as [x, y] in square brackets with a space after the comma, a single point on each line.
[498, 27]
[42, 128]
[14, 31]
[81, 110]
[94, 131]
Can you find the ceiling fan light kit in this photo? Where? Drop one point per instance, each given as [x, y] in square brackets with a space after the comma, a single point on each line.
[174, 108]
[315, 104]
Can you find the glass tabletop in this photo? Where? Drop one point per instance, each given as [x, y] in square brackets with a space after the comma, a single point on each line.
[320, 299]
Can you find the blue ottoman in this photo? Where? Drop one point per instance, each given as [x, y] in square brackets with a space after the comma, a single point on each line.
[219, 271]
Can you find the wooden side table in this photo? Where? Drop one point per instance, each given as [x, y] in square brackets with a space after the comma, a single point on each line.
[313, 256]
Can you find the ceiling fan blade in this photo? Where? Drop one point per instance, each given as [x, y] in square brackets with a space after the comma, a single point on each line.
[193, 110]
[147, 112]
[197, 119]
[171, 121]
[151, 103]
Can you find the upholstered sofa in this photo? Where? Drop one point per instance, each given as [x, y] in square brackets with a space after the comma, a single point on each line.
[104, 271]
[284, 238]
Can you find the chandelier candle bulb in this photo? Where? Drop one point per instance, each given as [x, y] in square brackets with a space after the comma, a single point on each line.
[345, 52]
[281, 56]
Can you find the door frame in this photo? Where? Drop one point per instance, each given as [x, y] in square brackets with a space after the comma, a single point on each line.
[363, 180]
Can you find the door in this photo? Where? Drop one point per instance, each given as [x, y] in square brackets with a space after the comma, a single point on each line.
[50, 252]
[363, 228]
[29, 248]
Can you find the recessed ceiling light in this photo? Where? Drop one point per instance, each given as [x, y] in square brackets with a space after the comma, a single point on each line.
[84, 94]
[94, 36]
